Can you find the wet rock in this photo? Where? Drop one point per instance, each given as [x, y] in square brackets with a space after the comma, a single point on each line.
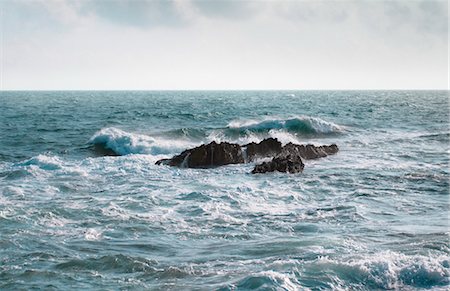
[205, 156]
[285, 162]
[309, 151]
[268, 147]
[286, 158]
[290, 158]
[102, 150]
[164, 162]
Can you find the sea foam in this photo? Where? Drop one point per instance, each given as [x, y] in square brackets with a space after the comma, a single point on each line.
[44, 162]
[125, 143]
[299, 124]
[392, 270]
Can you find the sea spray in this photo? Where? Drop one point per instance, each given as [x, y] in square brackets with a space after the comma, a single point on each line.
[124, 143]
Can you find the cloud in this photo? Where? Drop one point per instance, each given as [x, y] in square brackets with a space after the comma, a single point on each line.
[196, 44]
[139, 13]
[231, 9]
[424, 16]
[168, 13]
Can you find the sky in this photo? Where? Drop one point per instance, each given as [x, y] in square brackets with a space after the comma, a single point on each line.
[223, 45]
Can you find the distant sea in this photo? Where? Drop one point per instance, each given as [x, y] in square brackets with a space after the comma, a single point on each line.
[373, 216]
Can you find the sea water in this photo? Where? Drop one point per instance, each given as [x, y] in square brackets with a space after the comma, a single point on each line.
[373, 216]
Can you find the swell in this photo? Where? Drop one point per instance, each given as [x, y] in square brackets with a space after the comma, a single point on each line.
[295, 125]
[299, 125]
[385, 270]
[113, 141]
[118, 263]
[119, 142]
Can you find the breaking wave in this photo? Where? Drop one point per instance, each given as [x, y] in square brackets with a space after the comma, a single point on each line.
[268, 280]
[300, 125]
[44, 162]
[391, 270]
[114, 141]
[125, 143]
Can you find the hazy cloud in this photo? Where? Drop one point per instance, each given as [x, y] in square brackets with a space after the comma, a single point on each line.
[186, 44]
[232, 9]
[141, 13]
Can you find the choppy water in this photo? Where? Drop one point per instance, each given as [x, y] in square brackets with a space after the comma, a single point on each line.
[374, 216]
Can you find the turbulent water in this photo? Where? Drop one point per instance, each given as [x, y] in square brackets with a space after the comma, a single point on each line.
[373, 216]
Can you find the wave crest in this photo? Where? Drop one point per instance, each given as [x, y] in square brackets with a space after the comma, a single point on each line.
[268, 280]
[302, 125]
[44, 162]
[125, 143]
[390, 270]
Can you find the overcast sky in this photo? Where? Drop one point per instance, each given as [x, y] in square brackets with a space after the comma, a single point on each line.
[182, 44]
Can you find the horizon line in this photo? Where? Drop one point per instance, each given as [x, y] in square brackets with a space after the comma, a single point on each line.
[186, 90]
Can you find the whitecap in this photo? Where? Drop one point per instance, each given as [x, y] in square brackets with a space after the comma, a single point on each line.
[297, 124]
[391, 270]
[125, 143]
[92, 234]
[43, 162]
[269, 279]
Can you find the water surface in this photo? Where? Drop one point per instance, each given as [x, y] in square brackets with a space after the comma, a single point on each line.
[374, 216]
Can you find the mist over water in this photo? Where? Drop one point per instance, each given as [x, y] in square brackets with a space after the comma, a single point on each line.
[82, 204]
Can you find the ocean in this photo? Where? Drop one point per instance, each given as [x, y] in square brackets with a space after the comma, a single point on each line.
[374, 216]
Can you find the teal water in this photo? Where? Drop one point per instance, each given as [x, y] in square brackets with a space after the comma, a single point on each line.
[374, 216]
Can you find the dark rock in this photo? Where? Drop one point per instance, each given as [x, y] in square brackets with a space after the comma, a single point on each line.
[205, 156]
[102, 150]
[310, 151]
[163, 162]
[331, 149]
[290, 158]
[286, 159]
[284, 162]
[266, 148]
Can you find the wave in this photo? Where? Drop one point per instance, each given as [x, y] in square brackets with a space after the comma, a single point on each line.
[267, 280]
[114, 141]
[128, 264]
[44, 162]
[440, 136]
[121, 263]
[43, 165]
[125, 143]
[300, 125]
[390, 270]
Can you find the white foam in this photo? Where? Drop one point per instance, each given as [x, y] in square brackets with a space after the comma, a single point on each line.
[286, 282]
[43, 162]
[125, 143]
[283, 136]
[92, 234]
[391, 270]
[115, 211]
[220, 136]
[52, 220]
[306, 124]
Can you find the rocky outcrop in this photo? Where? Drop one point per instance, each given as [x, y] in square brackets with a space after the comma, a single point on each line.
[266, 148]
[205, 156]
[309, 151]
[286, 158]
[285, 162]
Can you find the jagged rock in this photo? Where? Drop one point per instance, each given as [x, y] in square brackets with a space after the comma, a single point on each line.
[290, 158]
[310, 151]
[285, 162]
[266, 148]
[102, 151]
[286, 159]
[205, 156]
[164, 162]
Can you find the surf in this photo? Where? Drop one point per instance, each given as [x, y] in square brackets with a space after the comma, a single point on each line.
[299, 125]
